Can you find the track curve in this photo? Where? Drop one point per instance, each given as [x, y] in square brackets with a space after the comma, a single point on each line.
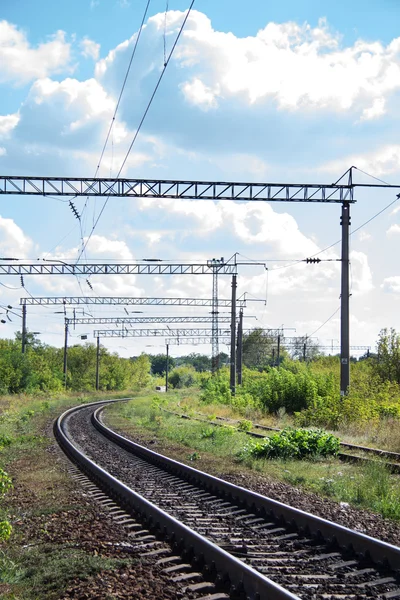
[265, 548]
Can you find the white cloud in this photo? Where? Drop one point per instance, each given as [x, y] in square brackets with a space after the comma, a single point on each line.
[20, 62]
[196, 92]
[391, 284]
[361, 275]
[364, 236]
[298, 66]
[393, 230]
[7, 124]
[383, 161]
[13, 241]
[90, 49]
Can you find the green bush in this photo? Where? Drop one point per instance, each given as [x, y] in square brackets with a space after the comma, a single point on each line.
[184, 376]
[296, 443]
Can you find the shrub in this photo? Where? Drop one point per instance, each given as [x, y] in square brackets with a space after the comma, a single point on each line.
[184, 376]
[296, 443]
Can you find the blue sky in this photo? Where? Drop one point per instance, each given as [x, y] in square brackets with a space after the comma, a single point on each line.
[255, 91]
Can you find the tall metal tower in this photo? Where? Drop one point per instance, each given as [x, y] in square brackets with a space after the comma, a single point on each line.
[215, 264]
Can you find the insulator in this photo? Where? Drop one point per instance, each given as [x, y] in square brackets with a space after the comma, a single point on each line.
[74, 210]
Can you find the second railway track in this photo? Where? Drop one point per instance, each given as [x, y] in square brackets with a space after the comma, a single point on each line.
[305, 556]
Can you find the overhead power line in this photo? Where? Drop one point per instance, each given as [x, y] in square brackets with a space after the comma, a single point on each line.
[142, 120]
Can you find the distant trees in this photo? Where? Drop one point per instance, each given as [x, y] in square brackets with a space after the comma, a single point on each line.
[302, 348]
[260, 349]
[40, 368]
[159, 363]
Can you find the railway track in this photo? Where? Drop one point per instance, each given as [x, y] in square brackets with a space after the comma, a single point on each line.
[392, 459]
[249, 545]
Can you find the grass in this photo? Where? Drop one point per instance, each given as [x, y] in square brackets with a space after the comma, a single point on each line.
[220, 449]
[34, 563]
[45, 571]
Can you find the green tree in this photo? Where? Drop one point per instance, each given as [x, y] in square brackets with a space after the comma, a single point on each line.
[304, 346]
[387, 365]
[260, 349]
[159, 362]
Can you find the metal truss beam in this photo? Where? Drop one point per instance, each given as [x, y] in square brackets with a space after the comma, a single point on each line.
[115, 269]
[164, 188]
[115, 300]
[134, 320]
[170, 333]
[196, 341]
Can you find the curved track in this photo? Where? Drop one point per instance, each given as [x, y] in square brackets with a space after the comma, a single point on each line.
[392, 459]
[263, 548]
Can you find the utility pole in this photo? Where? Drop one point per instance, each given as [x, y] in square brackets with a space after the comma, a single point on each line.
[233, 337]
[23, 336]
[166, 369]
[215, 263]
[65, 353]
[98, 363]
[345, 303]
[239, 359]
[278, 351]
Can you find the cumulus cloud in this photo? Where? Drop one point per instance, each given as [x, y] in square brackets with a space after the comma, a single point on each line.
[13, 241]
[383, 161]
[361, 274]
[90, 49]
[20, 62]
[393, 230]
[297, 66]
[391, 284]
[364, 236]
[7, 124]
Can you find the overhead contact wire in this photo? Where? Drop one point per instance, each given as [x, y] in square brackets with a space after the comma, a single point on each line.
[144, 115]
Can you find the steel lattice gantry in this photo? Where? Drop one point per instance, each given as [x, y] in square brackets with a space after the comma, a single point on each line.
[196, 341]
[164, 188]
[337, 193]
[115, 269]
[134, 320]
[116, 300]
[109, 333]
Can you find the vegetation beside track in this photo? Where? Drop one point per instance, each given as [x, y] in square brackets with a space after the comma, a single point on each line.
[220, 450]
[54, 530]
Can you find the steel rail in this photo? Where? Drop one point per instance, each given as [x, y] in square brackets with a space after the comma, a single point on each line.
[374, 451]
[378, 551]
[241, 576]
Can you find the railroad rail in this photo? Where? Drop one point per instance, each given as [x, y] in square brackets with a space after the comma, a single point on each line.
[263, 548]
[376, 452]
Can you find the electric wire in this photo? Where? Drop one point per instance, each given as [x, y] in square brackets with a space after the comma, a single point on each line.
[144, 116]
[323, 324]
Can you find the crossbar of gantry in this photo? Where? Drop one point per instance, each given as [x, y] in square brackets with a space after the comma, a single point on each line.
[187, 332]
[115, 269]
[176, 189]
[196, 341]
[135, 320]
[115, 300]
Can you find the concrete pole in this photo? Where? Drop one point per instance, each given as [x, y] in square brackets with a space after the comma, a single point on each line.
[239, 358]
[167, 369]
[345, 303]
[278, 351]
[65, 353]
[98, 364]
[23, 336]
[233, 337]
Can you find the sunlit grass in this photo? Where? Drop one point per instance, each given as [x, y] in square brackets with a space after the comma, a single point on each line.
[370, 486]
